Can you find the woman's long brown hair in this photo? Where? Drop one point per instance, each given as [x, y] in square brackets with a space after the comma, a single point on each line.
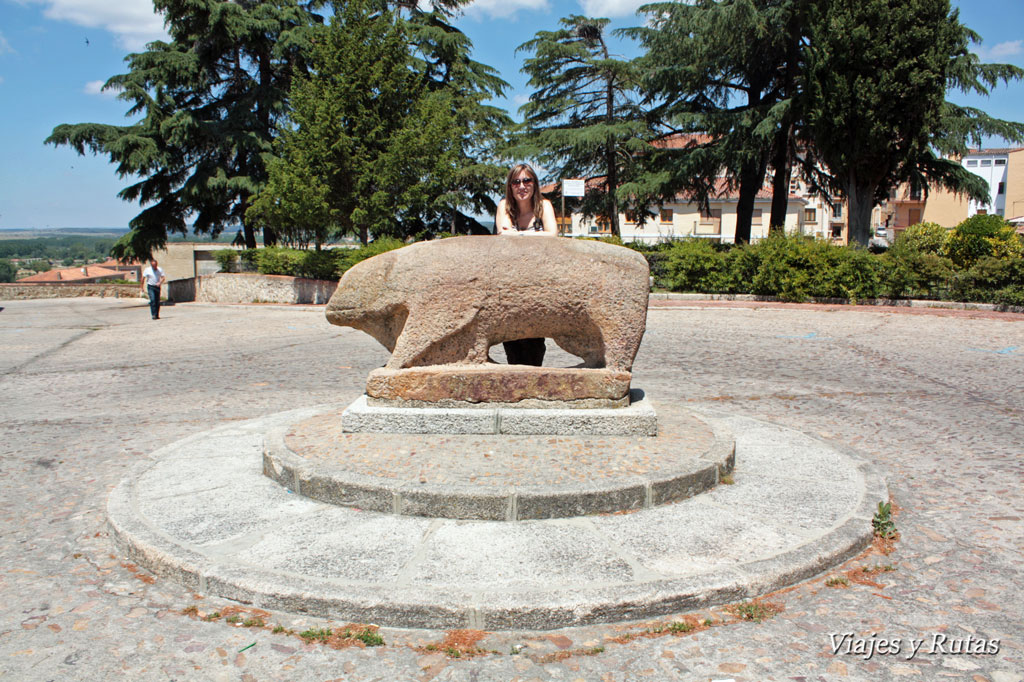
[510, 201]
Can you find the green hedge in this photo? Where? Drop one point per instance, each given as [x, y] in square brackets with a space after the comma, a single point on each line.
[979, 260]
[328, 264]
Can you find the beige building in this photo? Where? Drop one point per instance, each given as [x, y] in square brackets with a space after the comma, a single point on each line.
[183, 260]
[683, 218]
[1002, 169]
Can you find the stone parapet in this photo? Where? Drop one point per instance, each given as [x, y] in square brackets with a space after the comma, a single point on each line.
[16, 291]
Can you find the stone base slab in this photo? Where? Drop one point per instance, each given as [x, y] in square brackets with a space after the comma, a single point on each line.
[636, 419]
[200, 512]
[499, 477]
[508, 385]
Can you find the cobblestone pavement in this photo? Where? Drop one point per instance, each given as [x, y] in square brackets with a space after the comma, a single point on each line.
[90, 386]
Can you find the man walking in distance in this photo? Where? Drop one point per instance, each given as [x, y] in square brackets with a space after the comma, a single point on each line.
[152, 278]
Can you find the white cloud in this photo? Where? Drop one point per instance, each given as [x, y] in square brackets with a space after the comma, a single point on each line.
[1009, 48]
[496, 9]
[611, 8]
[134, 22]
[520, 99]
[5, 47]
[96, 88]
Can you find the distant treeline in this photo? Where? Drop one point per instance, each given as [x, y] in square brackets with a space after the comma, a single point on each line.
[57, 248]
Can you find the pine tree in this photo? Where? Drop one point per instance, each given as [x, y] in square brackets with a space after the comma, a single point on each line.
[206, 108]
[876, 109]
[370, 143]
[725, 69]
[583, 119]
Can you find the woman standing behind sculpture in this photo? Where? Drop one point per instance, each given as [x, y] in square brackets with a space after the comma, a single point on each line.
[524, 212]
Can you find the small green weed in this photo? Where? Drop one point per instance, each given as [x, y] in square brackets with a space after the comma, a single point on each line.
[453, 652]
[235, 618]
[727, 479]
[253, 623]
[756, 611]
[278, 629]
[680, 626]
[837, 581]
[366, 636]
[315, 634]
[882, 522]
[213, 616]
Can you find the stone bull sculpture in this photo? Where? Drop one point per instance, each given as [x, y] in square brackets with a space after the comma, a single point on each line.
[448, 301]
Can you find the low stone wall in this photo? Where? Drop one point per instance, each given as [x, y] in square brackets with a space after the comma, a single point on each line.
[255, 288]
[16, 291]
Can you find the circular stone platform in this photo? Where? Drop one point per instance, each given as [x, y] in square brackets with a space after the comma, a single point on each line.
[201, 512]
[498, 477]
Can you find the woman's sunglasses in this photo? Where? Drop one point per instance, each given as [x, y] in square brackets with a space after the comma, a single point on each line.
[523, 181]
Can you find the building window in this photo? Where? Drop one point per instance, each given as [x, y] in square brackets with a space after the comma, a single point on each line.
[1000, 162]
[594, 228]
[915, 194]
[972, 162]
[794, 186]
[982, 211]
[986, 162]
[837, 230]
[999, 212]
[666, 215]
[757, 217]
[837, 210]
[810, 215]
[1002, 188]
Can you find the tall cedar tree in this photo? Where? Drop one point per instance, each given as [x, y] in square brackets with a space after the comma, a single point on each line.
[370, 142]
[207, 105]
[583, 120]
[441, 54]
[726, 70]
[876, 113]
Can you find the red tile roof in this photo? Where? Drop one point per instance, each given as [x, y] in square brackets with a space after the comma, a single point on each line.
[74, 274]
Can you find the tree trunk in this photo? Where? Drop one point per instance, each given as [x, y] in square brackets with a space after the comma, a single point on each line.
[780, 183]
[861, 198]
[609, 152]
[250, 236]
[613, 182]
[751, 180]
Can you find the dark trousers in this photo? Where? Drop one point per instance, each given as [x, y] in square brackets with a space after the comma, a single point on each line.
[154, 300]
[525, 352]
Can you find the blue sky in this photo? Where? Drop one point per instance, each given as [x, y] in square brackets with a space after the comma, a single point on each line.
[50, 74]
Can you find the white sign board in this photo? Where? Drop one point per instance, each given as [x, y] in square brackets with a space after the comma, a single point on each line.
[574, 188]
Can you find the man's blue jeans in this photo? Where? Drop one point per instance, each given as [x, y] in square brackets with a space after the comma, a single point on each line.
[154, 300]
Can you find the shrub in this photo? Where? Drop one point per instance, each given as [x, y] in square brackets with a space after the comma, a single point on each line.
[249, 260]
[695, 265]
[923, 238]
[980, 236]
[795, 268]
[912, 273]
[988, 276]
[319, 264]
[378, 246]
[226, 259]
[275, 260]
